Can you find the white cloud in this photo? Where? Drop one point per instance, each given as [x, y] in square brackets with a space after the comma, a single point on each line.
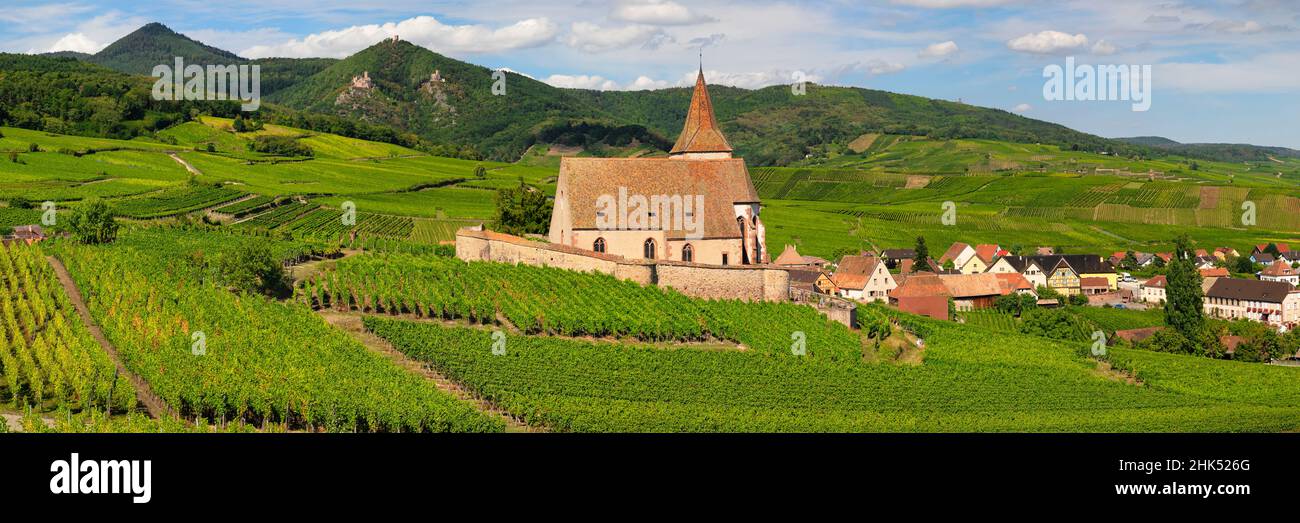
[1022, 108]
[657, 12]
[1237, 27]
[939, 50]
[422, 30]
[947, 4]
[38, 18]
[1103, 47]
[1266, 73]
[1047, 42]
[592, 38]
[581, 81]
[89, 36]
[879, 67]
[645, 82]
[78, 42]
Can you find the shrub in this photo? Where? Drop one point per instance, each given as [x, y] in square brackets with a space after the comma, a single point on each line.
[93, 223]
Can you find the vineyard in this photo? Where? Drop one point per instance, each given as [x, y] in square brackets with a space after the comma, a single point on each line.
[174, 201]
[972, 380]
[541, 300]
[257, 360]
[246, 207]
[47, 357]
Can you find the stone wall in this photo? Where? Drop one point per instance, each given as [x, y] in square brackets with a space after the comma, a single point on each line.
[746, 282]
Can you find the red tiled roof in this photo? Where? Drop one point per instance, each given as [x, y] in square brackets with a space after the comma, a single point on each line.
[953, 252]
[789, 256]
[1158, 282]
[1216, 272]
[854, 272]
[920, 285]
[1279, 268]
[1094, 281]
[722, 183]
[986, 252]
[700, 133]
[972, 285]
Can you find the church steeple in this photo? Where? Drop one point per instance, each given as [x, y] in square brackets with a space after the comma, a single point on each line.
[701, 136]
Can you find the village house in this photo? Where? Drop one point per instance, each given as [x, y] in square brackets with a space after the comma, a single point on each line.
[790, 257]
[959, 253]
[1153, 290]
[895, 257]
[724, 229]
[1215, 272]
[1281, 271]
[985, 255]
[1226, 253]
[979, 291]
[811, 280]
[27, 234]
[923, 294]
[863, 278]
[1272, 302]
[1093, 285]
[1026, 266]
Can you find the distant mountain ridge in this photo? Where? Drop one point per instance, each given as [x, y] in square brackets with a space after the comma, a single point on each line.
[769, 126]
[1214, 151]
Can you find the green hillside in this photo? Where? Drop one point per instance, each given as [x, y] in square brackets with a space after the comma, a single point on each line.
[155, 44]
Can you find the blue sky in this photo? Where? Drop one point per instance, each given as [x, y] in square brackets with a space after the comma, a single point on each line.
[1223, 71]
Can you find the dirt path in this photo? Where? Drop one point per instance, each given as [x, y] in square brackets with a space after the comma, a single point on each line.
[185, 164]
[351, 323]
[144, 393]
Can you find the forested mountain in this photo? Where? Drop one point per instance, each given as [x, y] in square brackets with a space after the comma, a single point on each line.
[1233, 152]
[459, 113]
[155, 44]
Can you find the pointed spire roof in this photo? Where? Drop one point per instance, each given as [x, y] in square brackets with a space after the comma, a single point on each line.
[701, 133]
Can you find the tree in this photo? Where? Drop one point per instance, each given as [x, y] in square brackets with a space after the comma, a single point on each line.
[480, 172]
[1077, 299]
[19, 202]
[522, 210]
[1130, 261]
[1243, 265]
[922, 253]
[92, 223]
[1272, 249]
[253, 268]
[1184, 308]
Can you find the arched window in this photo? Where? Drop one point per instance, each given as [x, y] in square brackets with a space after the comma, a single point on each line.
[740, 222]
[649, 248]
[758, 253]
[688, 253]
[599, 245]
[755, 221]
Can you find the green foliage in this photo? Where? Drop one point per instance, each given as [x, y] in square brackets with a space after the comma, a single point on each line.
[255, 269]
[542, 300]
[264, 361]
[1015, 304]
[278, 145]
[1184, 308]
[1077, 300]
[1056, 324]
[522, 210]
[47, 357]
[922, 253]
[19, 202]
[92, 223]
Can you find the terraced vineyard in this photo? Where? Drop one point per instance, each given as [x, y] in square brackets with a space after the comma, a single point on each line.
[972, 380]
[540, 300]
[262, 361]
[174, 201]
[47, 357]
